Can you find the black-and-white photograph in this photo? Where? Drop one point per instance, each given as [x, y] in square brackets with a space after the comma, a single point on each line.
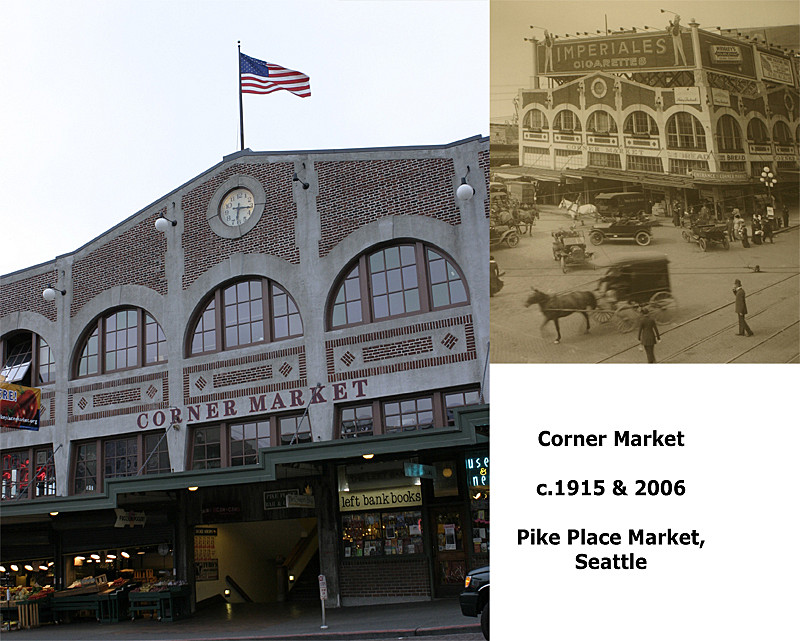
[644, 182]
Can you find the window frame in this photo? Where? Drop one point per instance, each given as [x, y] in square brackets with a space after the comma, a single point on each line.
[36, 365]
[99, 445]
[530, 119]
[99, 325]
[423, 271]
[30, 491]
[225, 431]
[439, 405]
[677, 138]
[759, 128]
[592, 123]
[267, 318]
[558, 122]
[729, 135]
[629, 126]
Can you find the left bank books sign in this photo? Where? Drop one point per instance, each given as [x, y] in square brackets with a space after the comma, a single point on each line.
[20, 406]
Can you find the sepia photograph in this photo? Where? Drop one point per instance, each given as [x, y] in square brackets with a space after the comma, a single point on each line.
[644, 182]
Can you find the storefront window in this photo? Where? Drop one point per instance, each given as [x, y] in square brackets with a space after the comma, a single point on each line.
[16, 468]
[477, 468]
[206, 448]
[382, 533]
[246, 440]
[45, 473]
[86, 468]
[121, 456]
[409, 414]
[460, 399]
[356, 421]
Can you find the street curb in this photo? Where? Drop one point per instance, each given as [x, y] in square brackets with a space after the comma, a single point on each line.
[347, 636]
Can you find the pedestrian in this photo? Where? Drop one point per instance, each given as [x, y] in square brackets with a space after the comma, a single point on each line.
[768, 223]
[676, 214]
[741, 309]
[785, 212]
[758, 229]
[648, 334]
[729, 226]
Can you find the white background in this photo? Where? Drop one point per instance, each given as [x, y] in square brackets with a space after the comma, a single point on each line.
[740, 468]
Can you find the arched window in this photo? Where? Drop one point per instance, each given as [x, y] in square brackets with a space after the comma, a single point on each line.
[781, 133]
[757, 131]
[535, 119]
[403, 279]
[601, 122]
[684, 131]
[27, 360]
[729, 136]
[122, 339]
[244, 313]
[640, 123]
[565, 120]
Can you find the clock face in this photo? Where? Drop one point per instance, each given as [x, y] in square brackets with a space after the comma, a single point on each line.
[237, 207]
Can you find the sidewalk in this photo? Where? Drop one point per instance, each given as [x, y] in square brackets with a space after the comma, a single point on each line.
[257, 621]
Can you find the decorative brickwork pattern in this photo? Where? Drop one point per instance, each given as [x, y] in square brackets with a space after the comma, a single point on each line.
[126, 392]
[384, 578]
[285, 369]
[483, 160]
[294, 353]
[412, 363]
[135, 257]
[393, 350]
[47, 417]
[357, 192]
[274, 233]
[347, 358]
[26, 295]
[242, 376]
[449, 341]
[130, 395]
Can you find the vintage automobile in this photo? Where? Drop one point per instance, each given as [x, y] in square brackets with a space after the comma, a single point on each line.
[474, 600]
[621, 229]
[569, 248]
[707, 235]
[632, 283]
[503, 235]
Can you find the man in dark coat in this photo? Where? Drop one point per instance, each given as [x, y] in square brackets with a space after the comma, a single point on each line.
[648, 335]
[741, 309]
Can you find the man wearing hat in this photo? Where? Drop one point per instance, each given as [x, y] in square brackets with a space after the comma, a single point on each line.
[741, 309]
[648, 334]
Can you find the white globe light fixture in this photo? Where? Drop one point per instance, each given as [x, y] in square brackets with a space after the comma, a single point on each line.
[464, 191]
[49, 293]
[163, 224]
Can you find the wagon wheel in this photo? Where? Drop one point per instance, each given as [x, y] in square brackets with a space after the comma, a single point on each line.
[596, 238]
[726, 244]
[512, 240]
[602, 315]
[686, 235]
[662, 307]
[563, 265]
[642, 238]
[703, 244]
[625, 318]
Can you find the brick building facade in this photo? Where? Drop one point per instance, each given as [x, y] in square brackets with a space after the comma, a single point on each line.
[299, 310]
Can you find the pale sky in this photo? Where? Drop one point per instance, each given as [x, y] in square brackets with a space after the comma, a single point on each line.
[511, 20]
[107, 106]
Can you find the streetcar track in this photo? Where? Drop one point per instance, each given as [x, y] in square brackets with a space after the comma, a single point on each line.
[767, 339]
[698, 317]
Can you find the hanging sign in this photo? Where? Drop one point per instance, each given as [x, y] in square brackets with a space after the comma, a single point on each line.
[20, 406]
[127, 518]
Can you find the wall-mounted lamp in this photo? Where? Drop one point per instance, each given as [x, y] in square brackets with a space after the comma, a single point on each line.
[49, 293]
[163, 223]
[465, 190]
[227, 592]
[297, 180]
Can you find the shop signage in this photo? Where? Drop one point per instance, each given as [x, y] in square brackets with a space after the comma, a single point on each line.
[294, 398]
[567, 138]
[300, 500]
[775, 68]
[720, 97]
[720, 176]
[732, 157]
[726, 53]
[277, 499]
[603, 150]
[687, 95]
[127, 518]
[782, 158]
[477, 470]
[20, 406]
[688, 155]
[387, 498]
[419, 470]
[784, 149]
[206, 570]
[658, 50]
[221, 513]
[601, 140]
[205, 531]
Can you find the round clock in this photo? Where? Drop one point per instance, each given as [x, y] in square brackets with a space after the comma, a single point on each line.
[236, 207]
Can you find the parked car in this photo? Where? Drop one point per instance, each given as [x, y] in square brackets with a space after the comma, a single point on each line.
[474, 599]
[632, 205]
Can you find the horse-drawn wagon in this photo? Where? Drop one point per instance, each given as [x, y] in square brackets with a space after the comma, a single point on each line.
[628, 286]
[569, 248]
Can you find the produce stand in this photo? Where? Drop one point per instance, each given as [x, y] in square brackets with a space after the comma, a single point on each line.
[165, 604]
[80, 598]
[28, 613]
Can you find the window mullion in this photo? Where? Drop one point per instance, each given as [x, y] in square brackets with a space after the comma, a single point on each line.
[219, 321]
[267, 307]
[377, 418]
[423, 278]
[365, 287]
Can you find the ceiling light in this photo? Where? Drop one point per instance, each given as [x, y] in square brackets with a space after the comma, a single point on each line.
[14, 567]
[193, 488]
[367, 456]
[125, 555]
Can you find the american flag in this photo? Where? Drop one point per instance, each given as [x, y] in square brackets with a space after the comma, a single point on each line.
[261, 77]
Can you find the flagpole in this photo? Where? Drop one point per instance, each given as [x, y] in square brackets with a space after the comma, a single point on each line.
[241, 110]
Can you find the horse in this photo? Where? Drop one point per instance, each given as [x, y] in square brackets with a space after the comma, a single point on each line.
[556, 306]
[525, 220]
[576, 211]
